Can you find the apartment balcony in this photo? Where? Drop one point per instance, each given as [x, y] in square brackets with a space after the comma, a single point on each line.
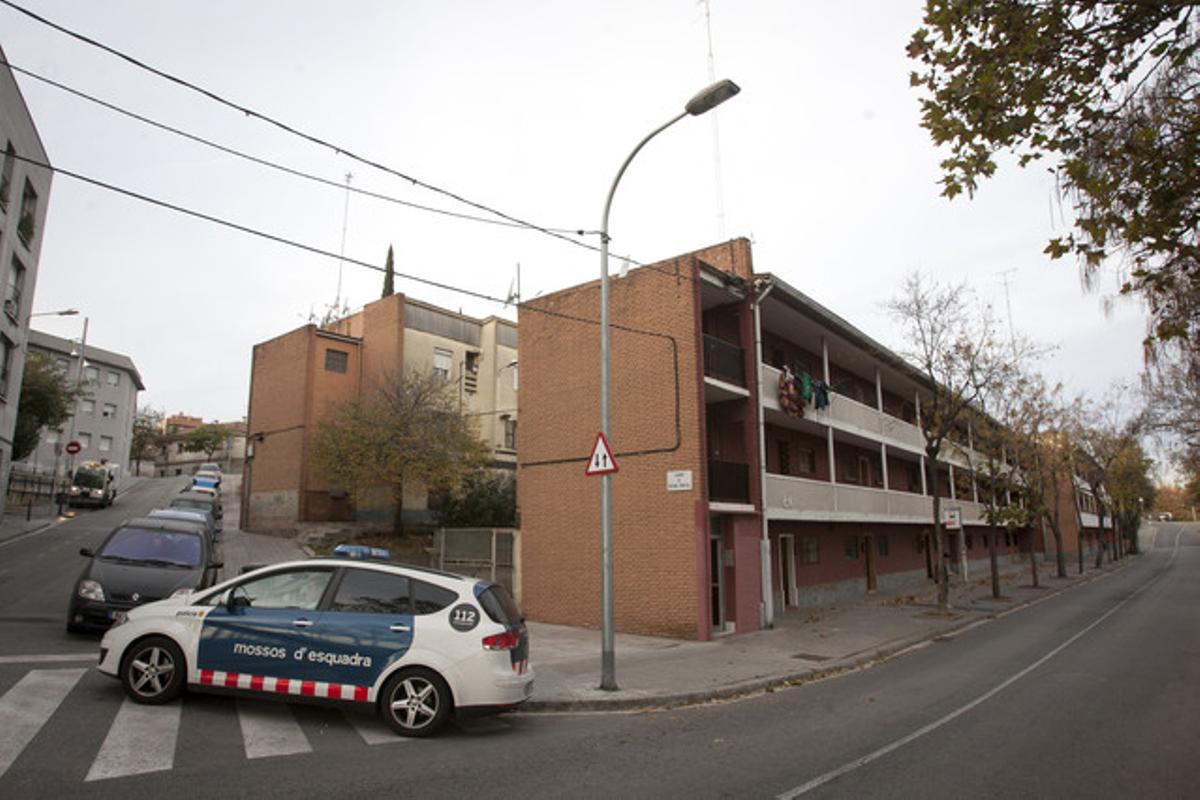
[724, 361]
[728, 482]
[805, 499]
[848, 415]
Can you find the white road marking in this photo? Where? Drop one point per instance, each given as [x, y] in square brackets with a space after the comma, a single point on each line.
[42, 659]
[373, 730]
[141, 739]
[270, 729]
[25, 708]
[851, 766]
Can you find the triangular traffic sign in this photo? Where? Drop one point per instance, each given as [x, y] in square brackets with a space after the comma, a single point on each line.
[602, 461]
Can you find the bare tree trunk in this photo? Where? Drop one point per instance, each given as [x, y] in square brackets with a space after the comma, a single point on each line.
[398, 499]
[943, 593]
[1060, 558]
[1100, 542]
[992, 543]
[1033, 554]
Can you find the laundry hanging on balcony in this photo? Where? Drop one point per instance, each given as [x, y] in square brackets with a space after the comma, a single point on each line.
[820, 394]
[789, 394]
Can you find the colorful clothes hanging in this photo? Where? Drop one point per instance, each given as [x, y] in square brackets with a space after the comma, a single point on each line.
[789, 394]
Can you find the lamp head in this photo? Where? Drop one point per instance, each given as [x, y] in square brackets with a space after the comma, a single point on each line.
[711, 97]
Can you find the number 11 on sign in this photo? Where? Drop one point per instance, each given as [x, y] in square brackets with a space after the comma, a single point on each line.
[602, 461]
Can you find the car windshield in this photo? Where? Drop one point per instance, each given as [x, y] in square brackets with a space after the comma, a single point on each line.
[89, 479]
[190, 503]
[161, 548]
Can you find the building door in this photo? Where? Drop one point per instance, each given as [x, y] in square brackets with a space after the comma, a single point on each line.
[787, 569]
[869, 546]
[716, 599]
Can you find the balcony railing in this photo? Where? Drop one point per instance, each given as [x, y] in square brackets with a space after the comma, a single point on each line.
[724, 361]
[820, 499]
[728, 482]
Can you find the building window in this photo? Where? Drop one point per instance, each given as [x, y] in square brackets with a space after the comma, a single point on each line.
[510, 434]
[113, 379]
[806, 463]
[26, 226]
[85, 440]
[91, 374]
[919, 543]
[881, 544]
[969, 540]
[87, 406]
[109, 411]
[105, 444]
[914, 477]
[336, 360]
[13, 287]
[785, 460]
[443, 361]
[6, 175]
[852, 548]
[6, 354]
[810, 550]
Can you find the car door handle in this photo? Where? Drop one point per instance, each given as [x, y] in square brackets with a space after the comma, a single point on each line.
[302, 623]
[400, 627]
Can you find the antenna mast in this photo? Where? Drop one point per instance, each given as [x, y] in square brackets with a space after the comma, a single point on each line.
[1012, 336]
[716, 133]
[337, 301]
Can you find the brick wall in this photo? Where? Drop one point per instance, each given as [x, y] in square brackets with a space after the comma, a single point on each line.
[655, 387]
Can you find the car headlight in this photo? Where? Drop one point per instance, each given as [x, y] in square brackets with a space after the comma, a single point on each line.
[119, 618]
[96, 492]
[91, 590]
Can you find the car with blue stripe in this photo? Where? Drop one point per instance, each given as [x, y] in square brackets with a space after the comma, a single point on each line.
[416, 645]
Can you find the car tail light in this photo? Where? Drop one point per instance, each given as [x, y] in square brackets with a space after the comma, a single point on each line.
[502, 641]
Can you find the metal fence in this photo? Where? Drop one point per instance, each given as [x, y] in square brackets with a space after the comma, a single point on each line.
[488, 553]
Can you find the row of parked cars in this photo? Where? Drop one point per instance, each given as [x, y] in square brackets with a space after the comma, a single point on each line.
[148, 558]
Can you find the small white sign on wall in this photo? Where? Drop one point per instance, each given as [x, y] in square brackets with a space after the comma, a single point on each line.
[679, 480]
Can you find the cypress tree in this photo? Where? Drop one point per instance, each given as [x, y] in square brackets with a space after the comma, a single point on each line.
[389, 275]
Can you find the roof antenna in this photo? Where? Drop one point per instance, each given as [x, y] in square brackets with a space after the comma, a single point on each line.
[716, 133]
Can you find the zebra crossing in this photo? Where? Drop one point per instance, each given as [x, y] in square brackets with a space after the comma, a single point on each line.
[145, 739]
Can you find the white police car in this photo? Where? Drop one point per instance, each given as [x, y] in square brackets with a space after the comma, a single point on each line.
[416, 644]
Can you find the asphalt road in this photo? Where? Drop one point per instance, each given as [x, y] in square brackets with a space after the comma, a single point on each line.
[1091, 693]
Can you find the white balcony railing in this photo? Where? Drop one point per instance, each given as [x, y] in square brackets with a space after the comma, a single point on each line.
[803, 498]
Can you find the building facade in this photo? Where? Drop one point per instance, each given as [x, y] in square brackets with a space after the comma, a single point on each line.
[24, 196]
[173, 457]
[768, 452]
[104, 413]
[297, 377]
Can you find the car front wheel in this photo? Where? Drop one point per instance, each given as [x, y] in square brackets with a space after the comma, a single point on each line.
[415, 702]
[152, 671]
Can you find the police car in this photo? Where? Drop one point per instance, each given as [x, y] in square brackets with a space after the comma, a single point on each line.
[415, 644]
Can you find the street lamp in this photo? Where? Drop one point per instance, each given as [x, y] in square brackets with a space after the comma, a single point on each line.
[706, 100]
[75, 409]
[66, 312]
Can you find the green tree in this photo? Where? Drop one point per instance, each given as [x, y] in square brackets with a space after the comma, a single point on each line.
[147, 436]
[48, 399]
[1131, 490]
[406, 431]
[485, 500]
[206, 439]
[1110, 93]
[389, 275]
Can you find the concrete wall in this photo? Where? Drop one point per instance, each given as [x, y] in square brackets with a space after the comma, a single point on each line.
[17, 129]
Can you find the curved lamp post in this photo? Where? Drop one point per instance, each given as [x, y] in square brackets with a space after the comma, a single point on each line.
[706, 100]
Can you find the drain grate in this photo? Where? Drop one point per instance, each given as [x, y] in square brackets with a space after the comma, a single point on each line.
[811, 657]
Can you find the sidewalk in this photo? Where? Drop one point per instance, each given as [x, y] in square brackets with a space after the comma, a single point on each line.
[805, 645]
[14, 525]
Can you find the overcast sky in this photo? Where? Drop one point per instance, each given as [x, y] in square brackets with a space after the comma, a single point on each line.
[528, 107]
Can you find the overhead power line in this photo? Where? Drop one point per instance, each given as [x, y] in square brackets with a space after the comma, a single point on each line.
[268, 163]
[249, 112]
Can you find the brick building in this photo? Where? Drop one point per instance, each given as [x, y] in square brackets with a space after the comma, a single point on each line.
[732, 504]
[172, 457]
[297, 377]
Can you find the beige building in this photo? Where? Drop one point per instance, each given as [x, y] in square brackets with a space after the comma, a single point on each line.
[297, 377]
[173, 458]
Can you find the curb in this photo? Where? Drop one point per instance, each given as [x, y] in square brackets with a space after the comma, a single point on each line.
[743, 689]
[16, 537]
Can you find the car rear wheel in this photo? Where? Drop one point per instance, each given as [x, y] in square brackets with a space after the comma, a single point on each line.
[415, 702]
[152, 671]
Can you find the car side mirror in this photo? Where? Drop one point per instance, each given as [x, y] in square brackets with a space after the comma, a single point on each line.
[234, 601]
[87, 551]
